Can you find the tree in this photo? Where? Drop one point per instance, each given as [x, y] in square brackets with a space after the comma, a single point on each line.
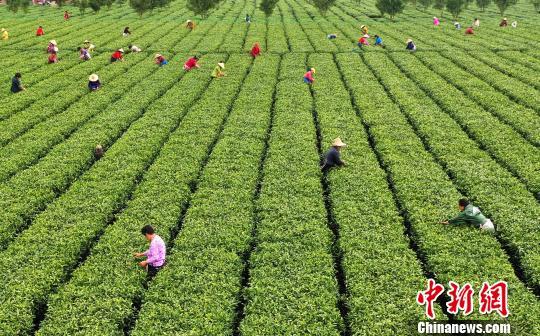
[425, 3]
[15, 5]
[482, 4]
[455, 7]
[267, 6]
[536, 4]
[200, 7]
[323, 5]
[390, 7]
[82, 5]
[440, 4]
[504, 4]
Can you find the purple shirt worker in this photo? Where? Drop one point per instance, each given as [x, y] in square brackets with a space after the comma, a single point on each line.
[155, 255]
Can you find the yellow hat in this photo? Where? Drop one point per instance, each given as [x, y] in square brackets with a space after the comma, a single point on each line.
[93, 78]
[338, 143]
[3, 30]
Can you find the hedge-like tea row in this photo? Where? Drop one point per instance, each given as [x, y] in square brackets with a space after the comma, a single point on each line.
[382, 273]
[521, 58]
[61, 81]
[201, 283]
[313, 32]
[235, 36]
[154, 202]
[37, 70]
[512, 87]
[460, 254]
[501, 141]
[28, 192]
[212, 30]
[79, 216]
[325, 27]
[522, 119]
[258, 31]
[292, 287]
[40, 191]
[37, 142]
[512, 69]
[296, 37]
[43, 108]
[513, 208]
[488, 36]
[277, 40]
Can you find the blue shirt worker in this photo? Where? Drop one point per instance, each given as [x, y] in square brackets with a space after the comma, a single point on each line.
[378, 41]
[93, 82]
[333, 156]
[16, 85]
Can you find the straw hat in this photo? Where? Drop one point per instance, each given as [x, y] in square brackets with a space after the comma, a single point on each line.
[505, 19]
[366, 36]
[409, 40]
[53, 42]
[86, 41]
[188, 21]
[338, 143]
[157, 55]
[93, 78]
[121, 50]
[221, 65]
[3, 30]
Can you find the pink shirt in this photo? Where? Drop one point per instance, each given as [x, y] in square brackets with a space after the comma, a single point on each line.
[309, 75]
[156, 253]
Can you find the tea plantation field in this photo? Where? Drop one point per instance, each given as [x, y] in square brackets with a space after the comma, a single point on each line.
[259, 241]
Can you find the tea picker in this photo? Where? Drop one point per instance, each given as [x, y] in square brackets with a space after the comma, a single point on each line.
[308, 76]
[16, 84]
[155, 255]
[471, 215]
[332, 158]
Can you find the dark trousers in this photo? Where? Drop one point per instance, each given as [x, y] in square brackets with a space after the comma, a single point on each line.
[152, 271]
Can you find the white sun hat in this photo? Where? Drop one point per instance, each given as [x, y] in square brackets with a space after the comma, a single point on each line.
[221, 65]
[93, 78]
[338, 143]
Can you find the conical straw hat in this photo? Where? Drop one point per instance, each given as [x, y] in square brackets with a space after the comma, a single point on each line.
[338, 143]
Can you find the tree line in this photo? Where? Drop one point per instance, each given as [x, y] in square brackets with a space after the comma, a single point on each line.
[204, 7]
